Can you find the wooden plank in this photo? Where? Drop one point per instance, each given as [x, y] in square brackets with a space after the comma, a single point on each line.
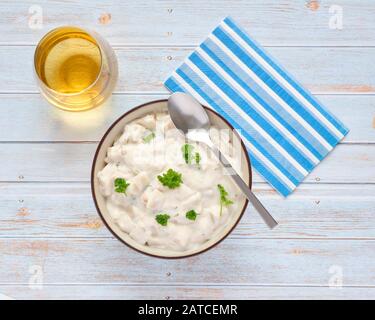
[313, 211]
[160, 292]
[234, 261]
[164, 22]
[322, 70]
[72, 162]
[36, 120]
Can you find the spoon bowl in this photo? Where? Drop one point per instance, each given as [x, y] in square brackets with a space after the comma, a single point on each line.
[187, 113]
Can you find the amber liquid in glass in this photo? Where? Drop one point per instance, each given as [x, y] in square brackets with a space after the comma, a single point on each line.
[70, 64]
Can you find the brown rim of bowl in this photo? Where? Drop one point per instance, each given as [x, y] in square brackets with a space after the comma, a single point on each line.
[115, 234]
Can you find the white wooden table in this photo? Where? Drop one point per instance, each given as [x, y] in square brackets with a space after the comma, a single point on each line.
[52, 242]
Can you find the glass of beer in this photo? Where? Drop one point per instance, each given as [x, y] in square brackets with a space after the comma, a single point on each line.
[75, 69]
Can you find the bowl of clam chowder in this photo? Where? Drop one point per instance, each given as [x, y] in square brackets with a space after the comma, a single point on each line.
[161, 194]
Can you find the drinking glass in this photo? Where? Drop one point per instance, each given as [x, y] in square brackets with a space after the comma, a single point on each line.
[75, 69]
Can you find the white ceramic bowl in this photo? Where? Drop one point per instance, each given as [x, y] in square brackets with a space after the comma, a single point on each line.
[107, 141]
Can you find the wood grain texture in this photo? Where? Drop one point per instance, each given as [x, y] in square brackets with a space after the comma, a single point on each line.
[181, 292]
[42, 210]
[356, 111]
[233, 261]
[322, 70]
[47, 218]
[72, 162]
[165, 22]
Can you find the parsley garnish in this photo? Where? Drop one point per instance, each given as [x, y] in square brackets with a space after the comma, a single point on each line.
[171, 179]
[224, 201]
[187, 150]
[162, 219]
[187, 154]
[191, 215]
[121, 185]
[197, 159]
[149, 137]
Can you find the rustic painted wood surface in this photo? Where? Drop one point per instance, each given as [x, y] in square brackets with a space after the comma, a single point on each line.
[52, 243]
[322, 70]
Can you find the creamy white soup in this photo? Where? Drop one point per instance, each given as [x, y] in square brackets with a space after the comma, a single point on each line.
[164, 191]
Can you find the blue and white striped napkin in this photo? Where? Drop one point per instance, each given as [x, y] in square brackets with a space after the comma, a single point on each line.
[286, 130]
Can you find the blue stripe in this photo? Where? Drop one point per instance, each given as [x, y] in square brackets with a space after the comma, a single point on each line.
[266, 56]
[172, 85]
[252, 93]
[270, 82]
[263, 171]
[235, 120]
[245, 106]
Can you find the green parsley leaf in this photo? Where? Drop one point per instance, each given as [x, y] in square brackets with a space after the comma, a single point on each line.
[191, 215]
[187, 150]
[171, 179]
[149, 137]
[224, 201]
[198, 159]
[121, 185]
[162, 219]
[188, 155]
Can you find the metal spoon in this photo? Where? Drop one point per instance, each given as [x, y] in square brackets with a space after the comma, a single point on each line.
[189, 116]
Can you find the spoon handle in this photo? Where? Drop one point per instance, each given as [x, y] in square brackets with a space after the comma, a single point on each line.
[266, 216]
